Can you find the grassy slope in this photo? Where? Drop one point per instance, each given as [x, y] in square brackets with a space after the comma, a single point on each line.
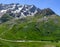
[31, 28]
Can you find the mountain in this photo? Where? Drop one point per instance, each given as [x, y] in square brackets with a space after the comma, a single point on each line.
[47, 11]
[20, 11]
[27, 22]
[28, 26]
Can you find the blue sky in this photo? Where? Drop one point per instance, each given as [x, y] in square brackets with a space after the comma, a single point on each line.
[53, 4]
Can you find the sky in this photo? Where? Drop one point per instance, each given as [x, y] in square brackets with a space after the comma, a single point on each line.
[53, 4]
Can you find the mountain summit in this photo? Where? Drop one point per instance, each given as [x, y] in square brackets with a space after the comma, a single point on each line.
[20, 11]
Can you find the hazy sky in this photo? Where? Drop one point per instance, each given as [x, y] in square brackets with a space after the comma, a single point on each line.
[53, 4]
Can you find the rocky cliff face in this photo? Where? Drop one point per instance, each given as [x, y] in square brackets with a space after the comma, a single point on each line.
[20, 11]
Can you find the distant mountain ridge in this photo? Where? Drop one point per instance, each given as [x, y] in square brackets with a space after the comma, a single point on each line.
[20, 11]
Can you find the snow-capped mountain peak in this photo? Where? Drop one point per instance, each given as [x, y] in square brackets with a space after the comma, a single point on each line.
[20, 10]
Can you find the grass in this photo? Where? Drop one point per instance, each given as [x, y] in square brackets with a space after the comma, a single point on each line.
[28, 44]
[31, 29]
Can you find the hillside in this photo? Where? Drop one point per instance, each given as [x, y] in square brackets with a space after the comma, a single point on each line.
[31, 28]
[37, 28]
